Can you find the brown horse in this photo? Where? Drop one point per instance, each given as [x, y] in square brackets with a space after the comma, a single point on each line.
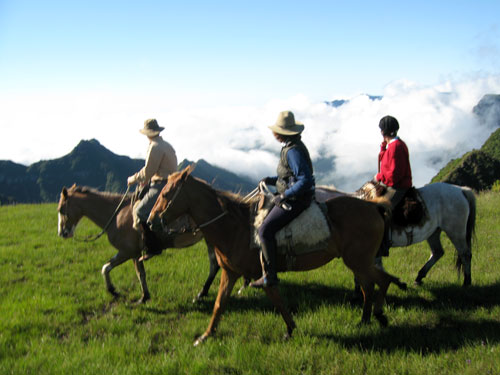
[99, 207]
[357, 229]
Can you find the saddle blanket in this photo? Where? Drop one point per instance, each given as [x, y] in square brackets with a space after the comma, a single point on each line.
[306, 233]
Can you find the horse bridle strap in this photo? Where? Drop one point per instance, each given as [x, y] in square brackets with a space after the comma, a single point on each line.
[197, 229]
[105, 228]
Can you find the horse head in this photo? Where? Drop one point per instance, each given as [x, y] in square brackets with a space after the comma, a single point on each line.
[170, 203]
[68, 212]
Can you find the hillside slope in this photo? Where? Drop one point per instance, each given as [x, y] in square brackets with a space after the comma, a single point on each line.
[478, 169]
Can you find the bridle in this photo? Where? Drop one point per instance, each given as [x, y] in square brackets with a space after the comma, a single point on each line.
[198, 227]
[92, 238]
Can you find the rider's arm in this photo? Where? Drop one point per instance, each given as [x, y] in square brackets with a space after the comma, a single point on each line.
[304, 180]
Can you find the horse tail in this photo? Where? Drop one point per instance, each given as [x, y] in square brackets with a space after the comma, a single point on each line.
[471, 222]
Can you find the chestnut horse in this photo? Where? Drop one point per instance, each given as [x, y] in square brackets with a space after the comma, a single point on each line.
[99, 207]
[357, 229]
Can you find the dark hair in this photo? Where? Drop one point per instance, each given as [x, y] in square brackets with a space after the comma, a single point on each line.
[287, 138]
[389, 126]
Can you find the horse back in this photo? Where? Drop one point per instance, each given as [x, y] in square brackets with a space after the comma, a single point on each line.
[353, 215]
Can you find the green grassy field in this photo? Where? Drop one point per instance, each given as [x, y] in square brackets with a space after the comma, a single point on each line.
[57, 318]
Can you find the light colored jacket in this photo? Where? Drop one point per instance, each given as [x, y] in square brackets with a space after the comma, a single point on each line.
[161, 161]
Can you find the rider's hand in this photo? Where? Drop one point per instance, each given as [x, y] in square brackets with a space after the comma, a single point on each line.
[268, 180]
[130, 180]
[278, 199]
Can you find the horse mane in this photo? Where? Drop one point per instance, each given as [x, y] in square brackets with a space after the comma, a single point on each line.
[93, 191]
[233, 203]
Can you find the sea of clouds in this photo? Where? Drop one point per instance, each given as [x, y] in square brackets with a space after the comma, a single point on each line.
[436, 122]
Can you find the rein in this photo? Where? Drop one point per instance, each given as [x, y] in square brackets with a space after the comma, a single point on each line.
[96, 237]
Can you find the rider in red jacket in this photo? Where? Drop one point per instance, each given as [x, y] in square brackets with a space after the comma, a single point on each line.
[394, 161]
[394, 171]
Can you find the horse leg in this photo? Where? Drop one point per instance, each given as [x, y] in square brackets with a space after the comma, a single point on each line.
[141, 274]
[214, 268]
[227, 280]
[274, 294]
[464, 257]
[383, 280]
[367, 287]
[106, 269]
[246, 283]
[436, 254]
[357, 288]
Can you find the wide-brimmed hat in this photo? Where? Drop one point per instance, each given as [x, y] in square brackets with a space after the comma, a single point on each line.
[151, 128]
[286, 124]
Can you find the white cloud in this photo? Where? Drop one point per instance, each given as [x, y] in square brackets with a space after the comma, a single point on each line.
[436, 123]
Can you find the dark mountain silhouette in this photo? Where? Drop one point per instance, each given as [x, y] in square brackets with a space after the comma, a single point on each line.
[340, 102]
[91, 164]
[220, 178]
[488, 110]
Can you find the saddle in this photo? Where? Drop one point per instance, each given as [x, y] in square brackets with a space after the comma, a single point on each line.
[410, 210]
[308, 232]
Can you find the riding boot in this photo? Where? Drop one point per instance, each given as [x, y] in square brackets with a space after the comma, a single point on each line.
[269, 276]
[152, 243]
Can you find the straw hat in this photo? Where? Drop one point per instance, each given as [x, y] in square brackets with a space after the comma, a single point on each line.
[151, 128]
[286, 124]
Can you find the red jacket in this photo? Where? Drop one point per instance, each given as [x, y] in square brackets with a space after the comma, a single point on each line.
[394, 165]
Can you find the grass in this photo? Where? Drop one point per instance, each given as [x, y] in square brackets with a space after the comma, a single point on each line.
[57, 318]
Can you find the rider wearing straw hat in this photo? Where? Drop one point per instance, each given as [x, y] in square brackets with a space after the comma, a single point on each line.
[161, 161]
[295, 186]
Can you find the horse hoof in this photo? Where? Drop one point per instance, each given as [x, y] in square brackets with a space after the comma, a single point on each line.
[199, 297]
[143, 300]
[418, 282]
[115, 294]
[467, 282]
[200, 340]
[382, 319]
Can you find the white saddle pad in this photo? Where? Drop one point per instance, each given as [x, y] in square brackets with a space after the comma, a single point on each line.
[307, 232]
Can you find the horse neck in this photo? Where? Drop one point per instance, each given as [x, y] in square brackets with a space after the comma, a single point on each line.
[206, 205]
[98, 207]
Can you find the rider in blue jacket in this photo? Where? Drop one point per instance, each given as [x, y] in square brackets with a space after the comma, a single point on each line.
[294, 184]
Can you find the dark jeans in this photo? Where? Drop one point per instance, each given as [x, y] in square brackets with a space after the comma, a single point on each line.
[277, 219]
[395, 195]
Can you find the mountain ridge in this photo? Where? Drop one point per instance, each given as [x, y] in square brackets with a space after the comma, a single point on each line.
[92, 164]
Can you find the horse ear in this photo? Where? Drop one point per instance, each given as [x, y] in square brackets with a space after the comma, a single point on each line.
[187, 171]
[64, 192]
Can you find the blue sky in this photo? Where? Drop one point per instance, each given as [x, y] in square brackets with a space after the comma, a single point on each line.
[255, 50]
[101, 67]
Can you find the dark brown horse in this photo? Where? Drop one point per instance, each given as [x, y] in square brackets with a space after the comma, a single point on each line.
[99, 207]
[357, 229]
